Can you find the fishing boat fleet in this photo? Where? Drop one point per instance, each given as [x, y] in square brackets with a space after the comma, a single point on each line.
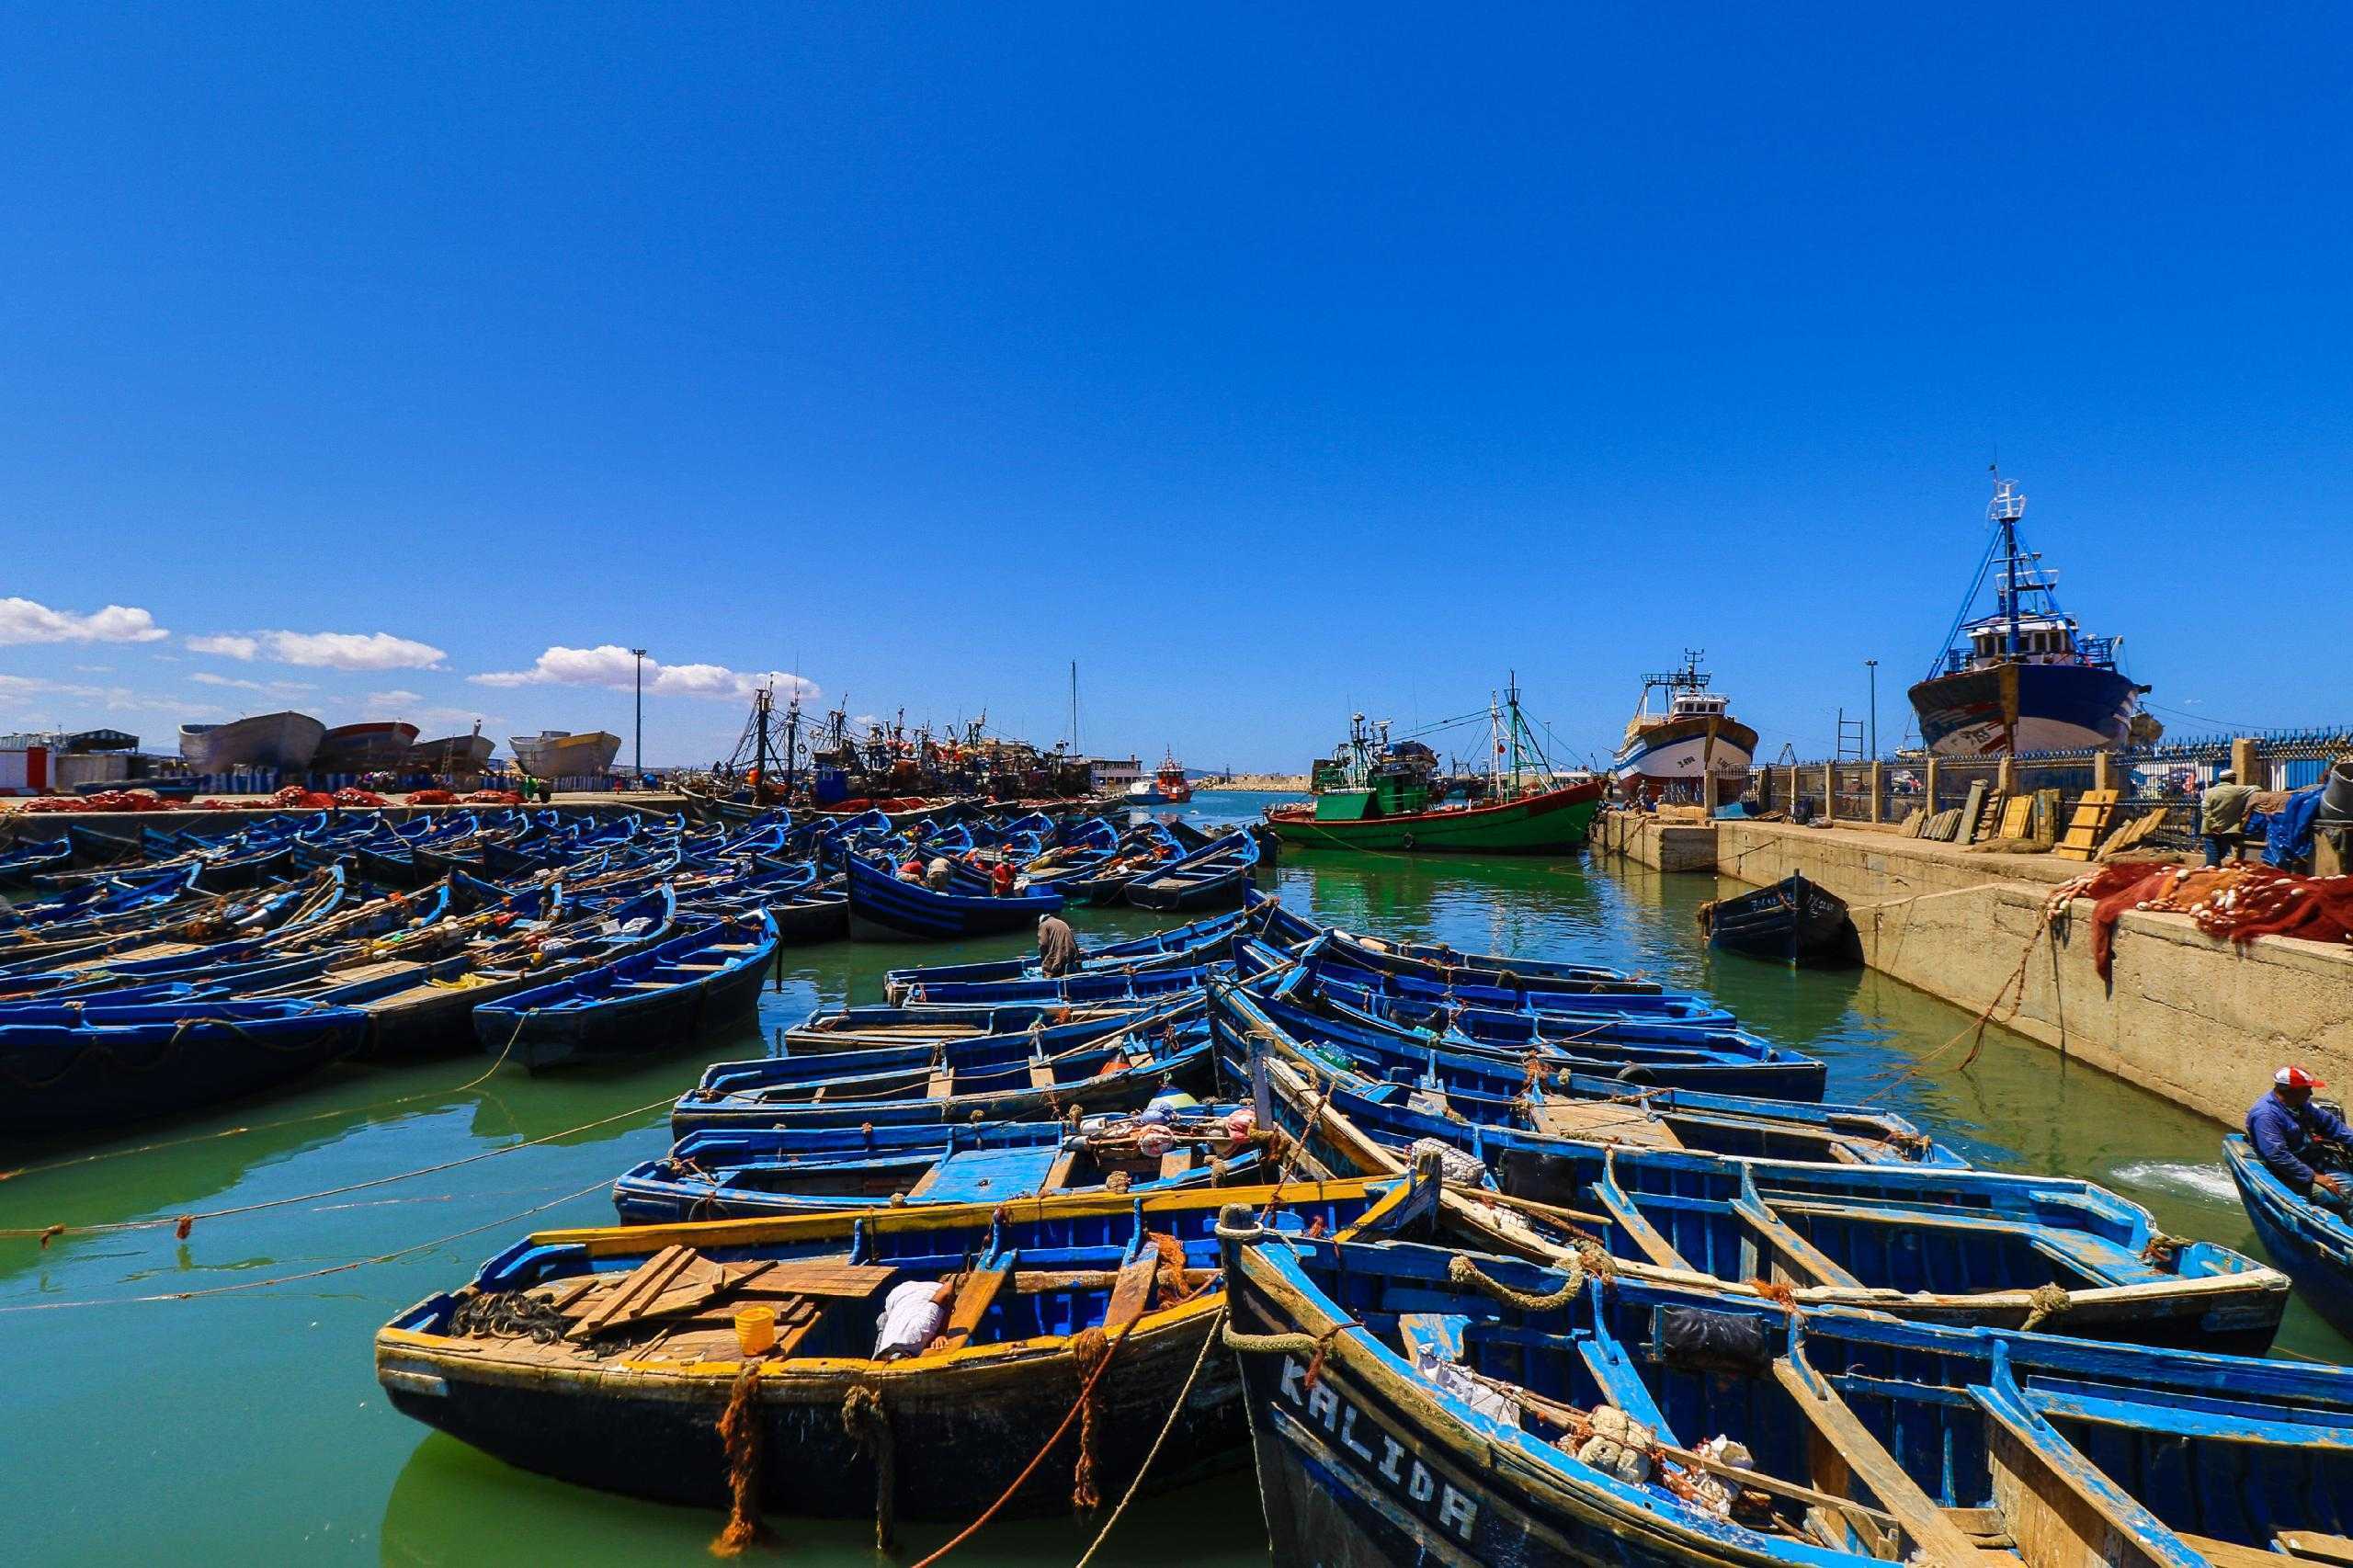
[1475, 1257]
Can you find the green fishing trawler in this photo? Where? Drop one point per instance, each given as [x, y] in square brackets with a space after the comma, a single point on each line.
[1372, 794]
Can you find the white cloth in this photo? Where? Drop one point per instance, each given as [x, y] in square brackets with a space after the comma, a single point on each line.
[910, 1319]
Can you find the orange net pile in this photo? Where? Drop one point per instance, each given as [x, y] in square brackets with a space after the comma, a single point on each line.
[103, 800]
[2240, 902]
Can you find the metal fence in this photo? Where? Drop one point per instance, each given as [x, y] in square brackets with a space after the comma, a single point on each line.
[2165, 780]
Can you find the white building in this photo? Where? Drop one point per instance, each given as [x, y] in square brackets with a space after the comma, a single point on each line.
[1115, 772]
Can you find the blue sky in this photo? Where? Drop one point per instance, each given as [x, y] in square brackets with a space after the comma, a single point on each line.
[1269, 362]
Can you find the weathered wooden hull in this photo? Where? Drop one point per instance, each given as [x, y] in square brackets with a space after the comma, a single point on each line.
[960, 1434]
[1794, 921]
[106, 1071]
[884, 909]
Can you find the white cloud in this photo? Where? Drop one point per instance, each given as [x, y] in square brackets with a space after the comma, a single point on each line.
[206, 678]
[613, 667]
[23, 620]
[22, 690]
[393, 699]
[324, 650]
[94, 669]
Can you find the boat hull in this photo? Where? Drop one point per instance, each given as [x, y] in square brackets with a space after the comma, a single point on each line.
[379, 747]
[1550, 824]
[566, 756]
[2017, 708]
[2311, 1247]
[1794, 921]
[884, 909]
[283, 741]
[1683, 751]
[463, 755]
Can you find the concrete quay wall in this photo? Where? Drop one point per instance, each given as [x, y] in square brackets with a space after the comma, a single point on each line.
[2201, 1020]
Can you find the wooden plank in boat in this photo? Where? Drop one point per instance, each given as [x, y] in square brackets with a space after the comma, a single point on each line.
[1042, 1076]
[942, 1085]
[2310, 1544]
[1605, 1121]
[1797, 1251]
[971, 1304]
[1177, 1162]
[1841, 1438]
[823, 1276]
[1131, 1294]
[2063, 1511]
[628, 1301]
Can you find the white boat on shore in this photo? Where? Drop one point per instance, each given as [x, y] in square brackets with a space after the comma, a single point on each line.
[555, 754]
[462, 755]
[283, 741]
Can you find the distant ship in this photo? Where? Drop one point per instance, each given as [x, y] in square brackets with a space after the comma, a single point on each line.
[553, 754]
[382, 747]
[1667, 751]
[2024, 679]
[1167, 786]
[283, 741]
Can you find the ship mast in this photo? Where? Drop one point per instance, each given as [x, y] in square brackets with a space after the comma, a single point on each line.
[2007, 508]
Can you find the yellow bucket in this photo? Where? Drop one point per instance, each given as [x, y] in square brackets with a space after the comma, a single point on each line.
[755, 1330]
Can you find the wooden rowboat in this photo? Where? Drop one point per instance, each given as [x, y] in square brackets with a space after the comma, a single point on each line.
[606, 1358]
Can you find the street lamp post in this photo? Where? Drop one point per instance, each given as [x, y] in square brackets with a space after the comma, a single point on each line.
[639, 655]
[1872, 666]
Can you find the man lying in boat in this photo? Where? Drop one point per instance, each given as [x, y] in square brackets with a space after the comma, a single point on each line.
[2304, 1144]
[912, 1314]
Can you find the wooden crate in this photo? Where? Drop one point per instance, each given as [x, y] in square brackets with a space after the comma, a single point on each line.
[2093, 808]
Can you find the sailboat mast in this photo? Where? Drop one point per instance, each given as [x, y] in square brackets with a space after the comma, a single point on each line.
[791, 743]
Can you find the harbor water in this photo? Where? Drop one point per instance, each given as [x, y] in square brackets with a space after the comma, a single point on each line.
[212, 1398]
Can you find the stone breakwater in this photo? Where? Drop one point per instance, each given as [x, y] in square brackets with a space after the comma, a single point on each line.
[1276, 783]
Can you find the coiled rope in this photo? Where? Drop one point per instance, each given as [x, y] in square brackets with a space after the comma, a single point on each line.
[869, 1426]
[1460, 1270]
[2046, 1302]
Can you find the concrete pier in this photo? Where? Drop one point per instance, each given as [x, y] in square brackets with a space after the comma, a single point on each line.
[2201, 1020]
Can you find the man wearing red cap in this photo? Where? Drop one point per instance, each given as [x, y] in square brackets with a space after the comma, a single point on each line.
[2294, 1135]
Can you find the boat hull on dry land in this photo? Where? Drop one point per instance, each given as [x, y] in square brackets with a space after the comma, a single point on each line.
[551, 754]
[284, 740]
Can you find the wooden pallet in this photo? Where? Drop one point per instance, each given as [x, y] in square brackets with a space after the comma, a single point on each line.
[2018, 816]
[2130, 834]
[2093, 809]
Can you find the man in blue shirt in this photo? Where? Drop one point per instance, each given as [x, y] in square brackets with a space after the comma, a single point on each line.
[2285, 1128]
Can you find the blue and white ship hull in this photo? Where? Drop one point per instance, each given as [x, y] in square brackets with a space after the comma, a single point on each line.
[2011, 708]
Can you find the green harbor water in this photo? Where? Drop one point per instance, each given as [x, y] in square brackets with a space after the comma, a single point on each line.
[244, 1422]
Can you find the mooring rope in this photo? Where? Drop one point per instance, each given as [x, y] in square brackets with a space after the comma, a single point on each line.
[969, 1531]
[1183, 1392]
[596, 1185]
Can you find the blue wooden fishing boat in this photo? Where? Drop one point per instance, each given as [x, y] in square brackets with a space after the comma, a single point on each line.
[1110, 1072]
[89, 907]
[1589, 1100]
[1636, 1050]
[420, 997]
[1210, 878]
[884, 909]
[86, 1068]
[1097, 987]
[1568, 1007]
[2312, 1244]
[1077, 855]
[741, 1175]
[606, 1358]
[1203, 941]
[1932, 1243]
[1476, 1410]
[870, 1027]
[648, 1003]
[21, 863]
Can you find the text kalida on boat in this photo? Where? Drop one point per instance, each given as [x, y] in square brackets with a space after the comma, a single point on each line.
[2024, 679]
[1371, 794]
[1470, 1410]
[1668, 751]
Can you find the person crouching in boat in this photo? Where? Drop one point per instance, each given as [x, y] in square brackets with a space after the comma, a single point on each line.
[912, 1314]
[1057, 946]
[2297, 1138]
[1001, 879]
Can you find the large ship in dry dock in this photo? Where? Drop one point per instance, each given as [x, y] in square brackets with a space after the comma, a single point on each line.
[2023, 678]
